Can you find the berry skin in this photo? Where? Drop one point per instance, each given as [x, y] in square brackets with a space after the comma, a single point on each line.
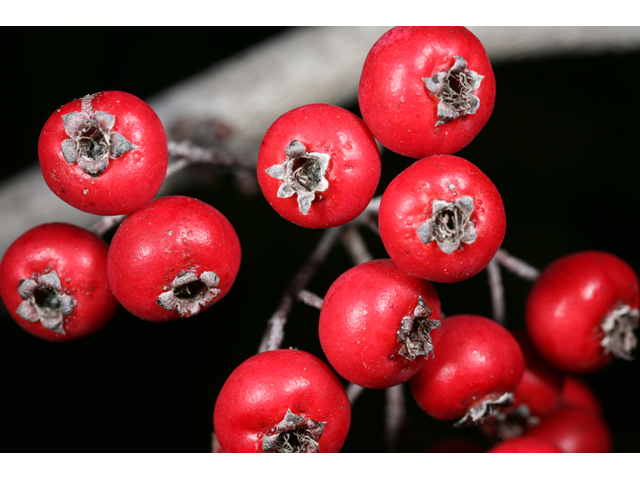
[376, 324]
[574, 431]
[442, 219]
[54, 282]
[318, 166]
[426, 90]
[525, 444]
[282, 401]
[476, 367]
[173, 258]
[577, 394]
[582, 311]
[104, 154]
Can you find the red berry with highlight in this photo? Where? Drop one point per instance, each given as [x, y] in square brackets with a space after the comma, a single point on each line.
[442, 219]
[582, 311]
[282, 401]
[318, 166]
[426, 90]
[173, 258]
[574, 431]
[54, 282]
[376, 324]
[476, 368]
[105, 153]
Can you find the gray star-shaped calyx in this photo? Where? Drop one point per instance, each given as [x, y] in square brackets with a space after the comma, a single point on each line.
[43, 301]
[618, 326]
[455, 91]
[484, 411]
[302, 173]
[414, 332]
[450, 224]
[190, 293]
[91, 142]
[294, 434]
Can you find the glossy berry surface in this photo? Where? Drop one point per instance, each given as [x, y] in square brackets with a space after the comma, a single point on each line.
[582, 310]
[173, 258]
[376, 324]
[105, 153]
[525, 444]
[574, 431]
[318, 166]
[541, 386]
[426, 90]
[442, 219]
[476, 367]
[53, 281]
[282, 401]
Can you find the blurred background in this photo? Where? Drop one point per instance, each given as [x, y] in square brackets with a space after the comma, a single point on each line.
[562, 147]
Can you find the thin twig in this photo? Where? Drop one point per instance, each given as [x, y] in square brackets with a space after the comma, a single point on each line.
[274, 334]
[310, 299]
[353, 392]
[497, 292]
[394, 416]
[189, 154]
[516, 265]
[355, 245]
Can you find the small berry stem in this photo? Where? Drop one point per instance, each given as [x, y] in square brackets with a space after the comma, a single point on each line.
[310, 299]
[394, 416]
[497, 292]
[517, 266]
[356, 246]
[353, 392]
[274, 334]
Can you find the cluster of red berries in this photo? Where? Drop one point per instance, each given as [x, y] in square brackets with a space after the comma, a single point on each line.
[171, 257]
[425, 93]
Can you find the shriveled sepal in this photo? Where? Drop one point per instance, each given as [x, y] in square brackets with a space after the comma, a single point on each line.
[486, 410]
[455, 91]
[302, 173]
[618, 327]
[190, 293]
[414, 332]
[450, 224]
[44, 301]
[91, 142]
[294, 434]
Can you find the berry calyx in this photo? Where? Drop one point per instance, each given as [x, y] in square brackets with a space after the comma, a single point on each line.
[449, 224]
[91, 142]
[302, 174]
[294, 434]
[618, 327]
[414, 332]
[190, 293]
[44, 300]
[455, 89]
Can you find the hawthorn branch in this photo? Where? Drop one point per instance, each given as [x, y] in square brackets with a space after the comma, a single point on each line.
[497, 292]
[516, 265]
[394, 416]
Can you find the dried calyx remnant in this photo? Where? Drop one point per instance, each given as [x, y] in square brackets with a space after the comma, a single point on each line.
[91, 142]
[618, 329]
[190, 293]
[455, 91]
[43, 300]
[450, 224]
[294, 434]
[487, 409]
[302, 173]
[511, 423]
[414, 332]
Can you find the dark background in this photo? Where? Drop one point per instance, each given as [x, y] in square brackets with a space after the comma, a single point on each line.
[561, 146]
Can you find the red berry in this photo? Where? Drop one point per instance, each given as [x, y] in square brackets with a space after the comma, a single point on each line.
[54, 282]
[582, 311]
[577, 394]
[173, 258]
[476, 367]
[574, 431]
[104, 153]
[426, 90]
[442, 219]
[376, 322]
[525, 444]
[541, 386]
[282, 401]
[318, 166]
